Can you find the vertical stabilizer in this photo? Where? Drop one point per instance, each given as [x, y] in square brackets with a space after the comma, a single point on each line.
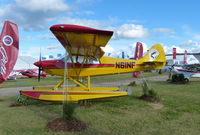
[138, 55]
[185, 57]
[138, 51]
[9, 45]
[174, 53]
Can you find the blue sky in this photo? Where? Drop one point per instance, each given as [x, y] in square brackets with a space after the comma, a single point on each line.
[172, 23]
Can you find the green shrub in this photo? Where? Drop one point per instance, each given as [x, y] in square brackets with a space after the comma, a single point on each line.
[27, 101]
[68, 110]
[145, 88]
[153, 94]
[149, 92]
[23, 100]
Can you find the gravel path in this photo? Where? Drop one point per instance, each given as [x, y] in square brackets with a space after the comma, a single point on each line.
[15, 91]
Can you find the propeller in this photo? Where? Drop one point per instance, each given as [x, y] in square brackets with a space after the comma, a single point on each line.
[39, 68]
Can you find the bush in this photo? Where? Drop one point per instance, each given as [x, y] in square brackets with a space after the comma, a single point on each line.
[23, 100]
[145, 88]
[27, 101]
[68, 110]
[153, 94]
[149, 92]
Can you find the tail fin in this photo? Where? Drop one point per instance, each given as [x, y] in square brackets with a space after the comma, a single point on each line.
[9, 45]
[174, 53]
[185, 58]
[138, 55]
[154, 58]
[138, 51]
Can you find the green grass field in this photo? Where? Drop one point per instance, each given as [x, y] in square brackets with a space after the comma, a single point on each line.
[52, 80]
[178, 114]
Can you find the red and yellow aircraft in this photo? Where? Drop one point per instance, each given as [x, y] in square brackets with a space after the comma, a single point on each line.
[85, 59]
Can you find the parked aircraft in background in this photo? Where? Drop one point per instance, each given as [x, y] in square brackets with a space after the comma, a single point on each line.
[24, 67]
[188, 70]
[30, 73]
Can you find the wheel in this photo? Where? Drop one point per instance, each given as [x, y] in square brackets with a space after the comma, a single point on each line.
[186, 80]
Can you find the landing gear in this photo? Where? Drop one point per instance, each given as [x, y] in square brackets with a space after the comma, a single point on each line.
[186, 80]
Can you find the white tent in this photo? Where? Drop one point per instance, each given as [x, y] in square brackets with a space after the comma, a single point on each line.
[25, 62]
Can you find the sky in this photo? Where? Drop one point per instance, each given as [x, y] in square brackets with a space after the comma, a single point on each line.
[172, 23]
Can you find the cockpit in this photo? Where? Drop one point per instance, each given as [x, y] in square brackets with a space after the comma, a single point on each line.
[80, 59]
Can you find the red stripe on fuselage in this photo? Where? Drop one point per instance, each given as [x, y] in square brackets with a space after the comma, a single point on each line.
[187, 71]
[61, 64]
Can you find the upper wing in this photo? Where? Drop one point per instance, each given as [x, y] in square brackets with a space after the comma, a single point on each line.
[79, 40]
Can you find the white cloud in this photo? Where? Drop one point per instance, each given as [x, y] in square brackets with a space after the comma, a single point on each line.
[190, 49]
[46, 36]
[82, 22]
[42, 5]
[164, 30]
[33, 14]
[27, 38]
[190, 43]
[131, 31]
[129, 51]
[169, 49]
[108, 49]
[85, 13]
[53, 47]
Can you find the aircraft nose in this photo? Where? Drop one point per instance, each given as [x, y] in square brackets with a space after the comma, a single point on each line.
[49, 63]
[38, 63]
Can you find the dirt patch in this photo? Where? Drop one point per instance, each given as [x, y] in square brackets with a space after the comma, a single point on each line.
[156, 106]
[149, 99]
[63, 125]
[16, 105]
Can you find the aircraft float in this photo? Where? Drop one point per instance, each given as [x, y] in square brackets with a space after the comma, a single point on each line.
[9, 45]
[85, 59]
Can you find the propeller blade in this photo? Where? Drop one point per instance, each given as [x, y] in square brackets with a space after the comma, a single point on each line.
[39, 68]
[39, 73]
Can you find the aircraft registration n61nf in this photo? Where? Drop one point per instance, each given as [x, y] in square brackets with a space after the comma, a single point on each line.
[85, 59]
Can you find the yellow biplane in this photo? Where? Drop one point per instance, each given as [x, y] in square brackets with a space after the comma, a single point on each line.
[85, 59]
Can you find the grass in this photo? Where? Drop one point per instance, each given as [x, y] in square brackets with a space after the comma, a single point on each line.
[128, 115]
[52, 80]
[116, 77]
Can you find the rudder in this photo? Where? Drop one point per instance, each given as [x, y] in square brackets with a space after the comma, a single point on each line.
[9, 45]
